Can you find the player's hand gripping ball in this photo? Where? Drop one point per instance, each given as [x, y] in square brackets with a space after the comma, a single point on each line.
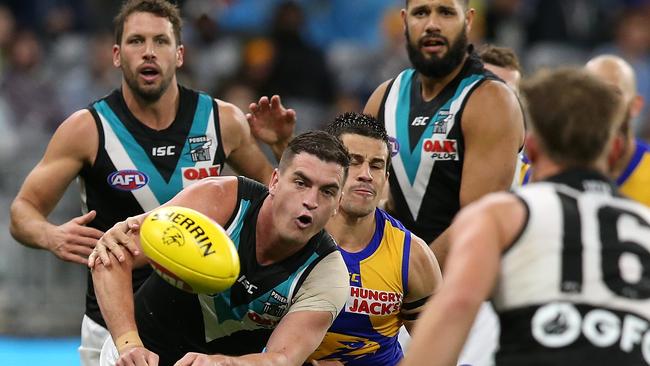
[189, 250]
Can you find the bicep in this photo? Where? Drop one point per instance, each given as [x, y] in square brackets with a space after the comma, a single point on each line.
[492, 142]
[425, 279]
[64, 158]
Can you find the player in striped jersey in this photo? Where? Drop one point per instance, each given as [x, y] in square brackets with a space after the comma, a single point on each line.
[566, 260]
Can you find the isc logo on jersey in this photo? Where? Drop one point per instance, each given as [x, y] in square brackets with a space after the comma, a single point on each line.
[194, 174]
[372, 302]
[441, 149]
[560, 324]
[127, 180]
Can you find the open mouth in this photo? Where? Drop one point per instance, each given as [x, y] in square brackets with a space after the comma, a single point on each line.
[433, 44]
[304, 221]
[149, 73]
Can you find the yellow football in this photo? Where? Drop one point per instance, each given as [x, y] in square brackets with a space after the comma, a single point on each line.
[189, 250]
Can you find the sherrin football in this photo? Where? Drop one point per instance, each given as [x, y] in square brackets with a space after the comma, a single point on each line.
[189, 250]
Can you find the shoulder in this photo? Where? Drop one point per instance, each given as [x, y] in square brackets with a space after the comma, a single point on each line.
[493, 106]
[77, 135]
[501, 211]
[215, 197]
[374, 102]
[233, 125]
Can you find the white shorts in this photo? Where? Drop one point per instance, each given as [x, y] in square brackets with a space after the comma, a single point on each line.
[109, 355]
[483, 339]
[93, 337]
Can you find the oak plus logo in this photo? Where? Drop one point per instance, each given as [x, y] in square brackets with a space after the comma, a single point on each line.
[441, 149]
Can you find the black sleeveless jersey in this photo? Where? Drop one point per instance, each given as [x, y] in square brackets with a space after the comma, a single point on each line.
[240, 320]
[574, 288]
[428, 147]
[137, 168]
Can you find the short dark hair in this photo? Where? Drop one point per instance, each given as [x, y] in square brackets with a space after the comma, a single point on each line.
[499, 56]
[321, 144]
[161, 8]
[464, 3]
[573, 113]
[359, 124]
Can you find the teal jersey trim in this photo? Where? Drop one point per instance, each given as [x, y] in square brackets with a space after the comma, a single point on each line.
[163, 190]
[411, 159]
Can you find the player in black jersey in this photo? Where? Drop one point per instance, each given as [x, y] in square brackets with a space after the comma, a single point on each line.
[566, 260]
[455, 129]
[292, 284]
[134, 149]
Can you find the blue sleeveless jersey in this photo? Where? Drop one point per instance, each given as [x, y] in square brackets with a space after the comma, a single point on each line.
[365, 332]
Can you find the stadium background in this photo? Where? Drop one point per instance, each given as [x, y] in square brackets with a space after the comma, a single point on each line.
[322, 56]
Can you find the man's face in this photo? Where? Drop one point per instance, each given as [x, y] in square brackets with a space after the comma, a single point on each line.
[436, 35]
[148, 55]
[305, 195]
[367, 174]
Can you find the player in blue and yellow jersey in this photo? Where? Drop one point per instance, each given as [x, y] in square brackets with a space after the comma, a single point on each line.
[632, 171]
[392, 271]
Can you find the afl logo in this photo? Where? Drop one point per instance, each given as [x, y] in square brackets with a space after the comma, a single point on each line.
[394, 146]
[127, 180]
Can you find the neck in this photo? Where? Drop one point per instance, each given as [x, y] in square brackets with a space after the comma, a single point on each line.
[352, 233]
[431, 87]
[544, 168]
[156, 115]
[624, 160]
[269, 246]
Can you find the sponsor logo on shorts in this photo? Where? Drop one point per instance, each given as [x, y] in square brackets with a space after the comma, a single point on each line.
[127, 180]
[441, 149]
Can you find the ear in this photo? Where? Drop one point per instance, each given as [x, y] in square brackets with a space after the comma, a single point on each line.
[273, 183]
[403, 14]
[469, 19]
[180, 56]
[116, 55]
[636, 105]
[616, 152]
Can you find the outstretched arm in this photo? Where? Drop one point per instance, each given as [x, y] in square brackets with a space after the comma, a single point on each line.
[65, 156]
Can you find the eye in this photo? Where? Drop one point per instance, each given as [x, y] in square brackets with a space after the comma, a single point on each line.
[329, 192]
[299, 183]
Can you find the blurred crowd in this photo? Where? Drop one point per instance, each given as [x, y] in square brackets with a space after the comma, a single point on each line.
[322, 56]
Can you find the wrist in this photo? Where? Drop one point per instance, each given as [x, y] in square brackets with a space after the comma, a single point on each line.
[128, 340]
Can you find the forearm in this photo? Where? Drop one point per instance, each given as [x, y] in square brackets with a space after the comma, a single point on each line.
[28, 225]
[263, 359]
[114, 292]
[452, 318]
